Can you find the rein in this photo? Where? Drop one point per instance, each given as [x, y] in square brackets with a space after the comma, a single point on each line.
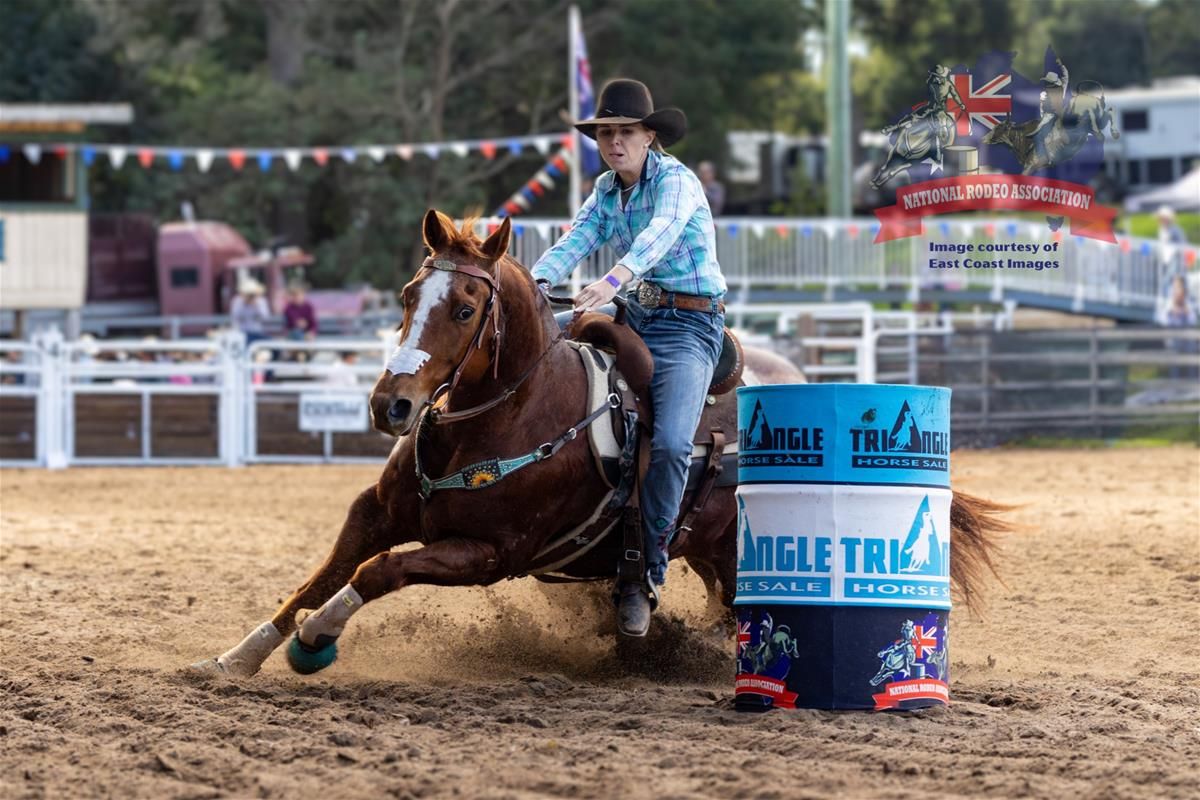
[485, 473]
[492, 312]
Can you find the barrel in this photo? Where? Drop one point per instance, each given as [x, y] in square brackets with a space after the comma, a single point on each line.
[960, 159]
[843, 575]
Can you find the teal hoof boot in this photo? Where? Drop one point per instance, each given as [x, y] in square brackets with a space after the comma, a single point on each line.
[307, 659]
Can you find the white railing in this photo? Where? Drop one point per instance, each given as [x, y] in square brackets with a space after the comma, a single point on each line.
[197, 401]
[826, 255]
[127, 402]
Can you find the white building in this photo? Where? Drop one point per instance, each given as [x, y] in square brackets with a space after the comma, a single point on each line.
[1160, 133]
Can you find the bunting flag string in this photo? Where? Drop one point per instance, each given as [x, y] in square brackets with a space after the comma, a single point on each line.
[538, 185]
[175, 157]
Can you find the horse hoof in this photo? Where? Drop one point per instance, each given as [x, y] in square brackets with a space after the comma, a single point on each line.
[306, 660]
[208, 666]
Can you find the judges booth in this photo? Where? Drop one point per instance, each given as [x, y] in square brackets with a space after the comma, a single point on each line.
[43, 241]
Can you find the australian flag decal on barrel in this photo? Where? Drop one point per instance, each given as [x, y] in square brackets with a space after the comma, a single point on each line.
[913, 669]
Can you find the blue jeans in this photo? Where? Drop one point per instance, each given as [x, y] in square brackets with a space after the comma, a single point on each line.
[686, 346]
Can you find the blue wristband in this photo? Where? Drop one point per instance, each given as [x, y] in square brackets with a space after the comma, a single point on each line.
[616, 284]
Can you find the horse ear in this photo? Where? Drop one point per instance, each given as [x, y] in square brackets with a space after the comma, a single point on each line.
[496, 245]
[435, 229]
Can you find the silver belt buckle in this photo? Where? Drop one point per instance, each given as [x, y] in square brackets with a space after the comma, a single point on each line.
[649, 295]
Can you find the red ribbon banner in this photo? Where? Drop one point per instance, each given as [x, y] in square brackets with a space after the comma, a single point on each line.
[767, 687]
[1014, 192]
[916, 689]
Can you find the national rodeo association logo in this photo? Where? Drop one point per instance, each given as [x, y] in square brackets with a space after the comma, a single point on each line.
[905, 444]
[761, 445]
[988, 138]
[765, 656]
[914, 665]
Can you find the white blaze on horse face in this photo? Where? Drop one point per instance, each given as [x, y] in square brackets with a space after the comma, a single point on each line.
[409, 357]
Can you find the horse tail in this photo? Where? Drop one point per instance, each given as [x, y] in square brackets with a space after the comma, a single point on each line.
[976, 527]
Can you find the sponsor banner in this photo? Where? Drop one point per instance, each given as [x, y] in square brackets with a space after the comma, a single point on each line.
[1013, 192]
[843, 545]
[775, 690]
[837, 657]
[898, 692]
[344, 412]
[843, 433]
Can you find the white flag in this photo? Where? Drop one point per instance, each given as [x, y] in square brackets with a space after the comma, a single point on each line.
[543, 144]
[376, 152]
[292, 157]
[33, 153]
[204, 159]
[116, 156]
[459, 149]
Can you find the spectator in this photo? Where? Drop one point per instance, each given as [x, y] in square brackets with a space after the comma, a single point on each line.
[342, 371]
[249, 311]
[714, 190]
[299, 316]
[1180, 312]
[1170, 236]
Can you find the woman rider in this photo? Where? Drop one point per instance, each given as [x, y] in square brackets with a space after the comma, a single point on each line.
[652, 210]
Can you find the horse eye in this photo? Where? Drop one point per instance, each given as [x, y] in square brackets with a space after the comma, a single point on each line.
[464, 313]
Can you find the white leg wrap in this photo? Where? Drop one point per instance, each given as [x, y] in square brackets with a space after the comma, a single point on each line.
[332, 617]
[245, 659]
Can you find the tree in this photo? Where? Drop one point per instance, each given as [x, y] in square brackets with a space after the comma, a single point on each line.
[48, 53]
[307, 72]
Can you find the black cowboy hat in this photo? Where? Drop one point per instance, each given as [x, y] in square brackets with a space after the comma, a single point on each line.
[625, 102]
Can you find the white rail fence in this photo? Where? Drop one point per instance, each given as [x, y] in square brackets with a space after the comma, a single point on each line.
[139, 402]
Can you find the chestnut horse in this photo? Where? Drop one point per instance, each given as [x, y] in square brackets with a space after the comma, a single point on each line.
[481, 352]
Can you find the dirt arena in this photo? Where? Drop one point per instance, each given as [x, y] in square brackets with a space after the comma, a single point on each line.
[1083, 680]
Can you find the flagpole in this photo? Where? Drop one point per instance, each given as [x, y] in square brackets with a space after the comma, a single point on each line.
[574, 200]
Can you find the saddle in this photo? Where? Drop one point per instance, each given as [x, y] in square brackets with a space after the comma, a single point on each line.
[617, 361]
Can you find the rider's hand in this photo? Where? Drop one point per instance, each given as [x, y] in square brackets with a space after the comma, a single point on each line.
[595, 295]
[603, 290]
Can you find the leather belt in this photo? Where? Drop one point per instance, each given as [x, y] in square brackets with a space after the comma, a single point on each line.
[651, 295]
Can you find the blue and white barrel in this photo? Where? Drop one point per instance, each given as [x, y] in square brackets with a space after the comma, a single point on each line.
[843, 583]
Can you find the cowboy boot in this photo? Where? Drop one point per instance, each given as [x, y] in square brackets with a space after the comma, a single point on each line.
[636, 603]
[634, 608]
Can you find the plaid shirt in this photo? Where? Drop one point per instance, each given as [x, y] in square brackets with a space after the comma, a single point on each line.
[664, 234]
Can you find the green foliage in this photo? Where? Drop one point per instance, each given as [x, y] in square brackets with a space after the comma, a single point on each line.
[308, 72]
[47, 54]
[1146, 225]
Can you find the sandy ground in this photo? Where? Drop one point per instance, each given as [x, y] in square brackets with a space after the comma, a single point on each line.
[1083, 680]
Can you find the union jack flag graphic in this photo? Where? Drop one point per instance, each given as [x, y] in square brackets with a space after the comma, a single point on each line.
[924, 639]
[985, 105]
[743, 636]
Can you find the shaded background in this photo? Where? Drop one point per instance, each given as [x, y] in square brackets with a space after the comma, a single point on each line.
[303, 72]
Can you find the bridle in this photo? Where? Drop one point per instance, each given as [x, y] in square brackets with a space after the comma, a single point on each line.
[492, 313]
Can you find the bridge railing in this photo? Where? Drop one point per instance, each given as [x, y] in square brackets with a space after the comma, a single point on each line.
[825, 255]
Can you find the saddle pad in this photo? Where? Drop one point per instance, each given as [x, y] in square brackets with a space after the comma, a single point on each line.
[597, 364]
